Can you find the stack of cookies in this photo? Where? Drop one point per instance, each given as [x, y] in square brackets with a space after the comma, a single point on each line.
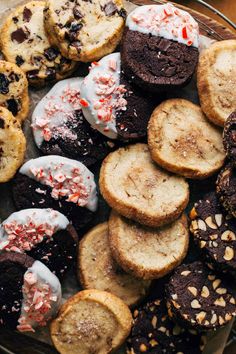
[148, 151]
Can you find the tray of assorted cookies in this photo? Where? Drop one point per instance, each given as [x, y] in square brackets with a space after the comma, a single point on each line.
[117, 178]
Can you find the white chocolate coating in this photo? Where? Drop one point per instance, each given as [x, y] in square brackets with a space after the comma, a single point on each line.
[43, 277]
[52, 220]
[165, 21]
[66, 177]
[102, 84]
[55, 109]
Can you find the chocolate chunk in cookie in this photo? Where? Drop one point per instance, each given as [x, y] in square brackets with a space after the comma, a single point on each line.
[214, 233]
[154, 332]
[226, 188]
[199, 298]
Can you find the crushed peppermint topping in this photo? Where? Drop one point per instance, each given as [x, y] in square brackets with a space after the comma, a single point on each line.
[111, 95]
[166, 21]
[59, 121]
[38, 298]
[23, 237]
[70, 185]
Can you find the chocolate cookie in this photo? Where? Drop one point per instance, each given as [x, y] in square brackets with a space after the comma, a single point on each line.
[226, 188]
[60, 128]
[153, 332]
[159, 48]
[59, 183]
[198, 298]
[30, 294]
[14, 90]
[24, 42]
[85, 30]
[111, 104]
[214, 233]
[43, 234]
[229, 136]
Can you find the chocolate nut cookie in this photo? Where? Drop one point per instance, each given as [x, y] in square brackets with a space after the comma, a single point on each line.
[84, 30]
[59, 126]
[199, 298]
[44, 234]
[138, 189]
[111, 104]
[13, 145]
[182, 140]
[229, 137]
[145, 252]
[216, 80]
[30, 295]
[226, 188]
[14, 90]
[24, 42]
[214, 233]
[98, 270]
[76, 331]
[159, 49]
[154, 332]
[59, 183]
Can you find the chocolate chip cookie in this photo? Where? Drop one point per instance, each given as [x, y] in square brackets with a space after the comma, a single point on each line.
[24, 42]
[85, 30]
[14, 90]
[199, 298]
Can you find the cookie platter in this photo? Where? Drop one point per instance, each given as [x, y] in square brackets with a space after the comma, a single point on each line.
[125, 142]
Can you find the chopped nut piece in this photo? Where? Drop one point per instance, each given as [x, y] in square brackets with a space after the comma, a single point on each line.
[232, 301]
[213, 237]
[195, 304]
[185, 273]
[162, 329]
[228, 317]
[154, 321]
[213, 319]
[218, 219]
[174, 296]
[192, 290]
[221, 291]
[220, 302]
[143, 348]
[229, 253]
[194, 226]
[221, 320]
[202, 244]
[228, 236]
[205, 291]
[210, 223]
[201, 225]
[216, 283]
[153, 342]
[193, 213]
[211, 277]
[135, 313]
[200, 316]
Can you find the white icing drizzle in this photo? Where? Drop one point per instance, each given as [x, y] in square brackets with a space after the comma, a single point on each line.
[41, 290]
[55, 109]
[24, 229]
[165, 21]
[67, 178]
[102, 95]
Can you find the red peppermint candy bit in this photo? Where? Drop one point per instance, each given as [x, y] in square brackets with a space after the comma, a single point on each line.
[184, 33]
[84, 103]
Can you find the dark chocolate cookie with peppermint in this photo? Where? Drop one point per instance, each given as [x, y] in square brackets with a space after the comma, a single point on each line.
[159, 48]
[59, 183]
[14, 90]
[198, 298]
[44, 234]
[229, 137]
[59, 127]
[30, 294]
[24, 42]
[226, 188]
[214, 233]
[112, 105]
[85, 30]
[153, 332]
